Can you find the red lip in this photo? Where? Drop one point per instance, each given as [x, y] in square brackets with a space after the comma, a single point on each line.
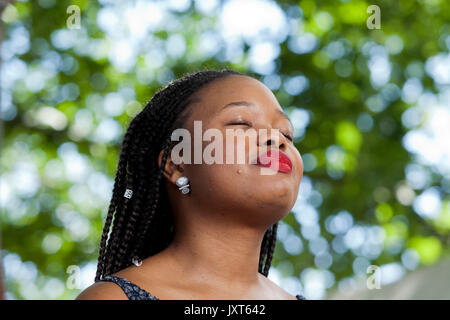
[275, 158]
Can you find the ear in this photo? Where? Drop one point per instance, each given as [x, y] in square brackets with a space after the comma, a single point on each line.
[171, 170]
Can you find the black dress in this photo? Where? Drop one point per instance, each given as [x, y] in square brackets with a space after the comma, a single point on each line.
[134, 292]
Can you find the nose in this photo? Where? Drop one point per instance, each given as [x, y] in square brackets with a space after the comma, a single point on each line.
[271, 139]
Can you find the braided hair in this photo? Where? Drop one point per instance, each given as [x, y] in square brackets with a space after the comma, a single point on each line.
[143, 223]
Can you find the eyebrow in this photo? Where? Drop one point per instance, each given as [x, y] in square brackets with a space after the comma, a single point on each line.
[250, 104]
[239, 103]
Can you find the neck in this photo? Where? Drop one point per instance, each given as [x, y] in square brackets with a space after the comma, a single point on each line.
[212, 252]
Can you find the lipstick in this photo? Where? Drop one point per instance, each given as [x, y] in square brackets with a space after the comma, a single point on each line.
[275, 159]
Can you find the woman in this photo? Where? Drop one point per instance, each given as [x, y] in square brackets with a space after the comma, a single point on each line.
[199, 231]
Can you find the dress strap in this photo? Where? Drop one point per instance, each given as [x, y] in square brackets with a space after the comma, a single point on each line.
[133, 291]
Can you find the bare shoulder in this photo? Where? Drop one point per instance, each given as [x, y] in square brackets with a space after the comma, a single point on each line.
[102, 290]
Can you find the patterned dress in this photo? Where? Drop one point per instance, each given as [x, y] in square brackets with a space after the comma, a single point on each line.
[134, 292]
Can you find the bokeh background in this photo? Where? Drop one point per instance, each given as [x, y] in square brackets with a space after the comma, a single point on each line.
[371, 110]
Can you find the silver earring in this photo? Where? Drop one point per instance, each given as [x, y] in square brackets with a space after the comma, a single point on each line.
[136, 261]
[183, 184]
[128, 193]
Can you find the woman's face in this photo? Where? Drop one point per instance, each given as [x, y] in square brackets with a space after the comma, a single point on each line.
[244, 192]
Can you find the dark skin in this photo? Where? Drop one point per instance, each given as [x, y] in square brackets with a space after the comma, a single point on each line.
[220, 224]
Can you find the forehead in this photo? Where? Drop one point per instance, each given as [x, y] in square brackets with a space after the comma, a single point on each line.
[210, 99]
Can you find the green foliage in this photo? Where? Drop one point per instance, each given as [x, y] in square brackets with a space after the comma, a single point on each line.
[352, 145]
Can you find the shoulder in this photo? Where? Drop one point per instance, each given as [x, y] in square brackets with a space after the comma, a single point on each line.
[102, 290]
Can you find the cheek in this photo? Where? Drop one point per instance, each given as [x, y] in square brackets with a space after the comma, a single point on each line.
[298, 164]
[237, 146]
[215, 177]
[238, 180]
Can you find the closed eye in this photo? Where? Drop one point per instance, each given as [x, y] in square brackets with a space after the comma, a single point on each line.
[245, 123]
[237, 123]
[289, 137]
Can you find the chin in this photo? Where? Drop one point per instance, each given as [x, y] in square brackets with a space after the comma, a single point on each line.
[279, 199]
[277, 185]
[275, 209]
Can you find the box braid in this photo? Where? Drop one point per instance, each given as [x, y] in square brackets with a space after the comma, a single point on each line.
[143, 224]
